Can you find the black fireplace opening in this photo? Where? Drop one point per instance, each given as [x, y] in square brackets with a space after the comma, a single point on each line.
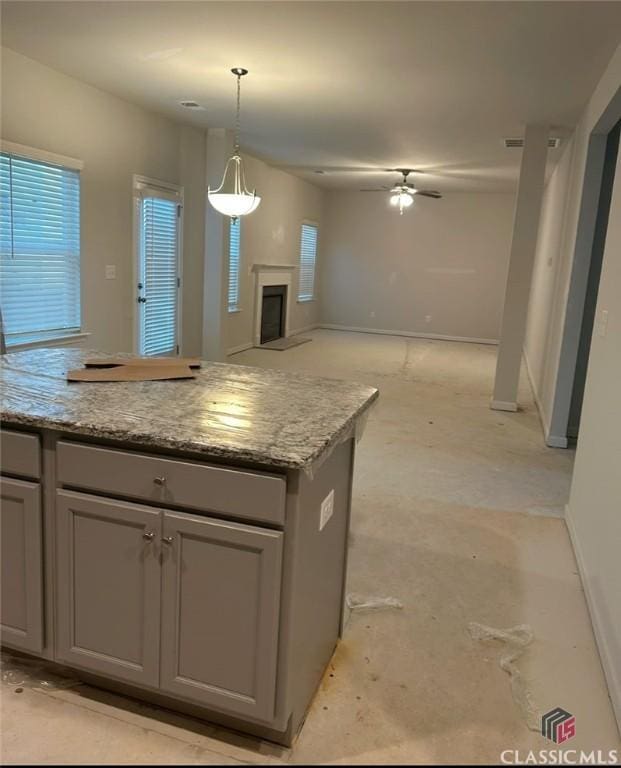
[273, 312]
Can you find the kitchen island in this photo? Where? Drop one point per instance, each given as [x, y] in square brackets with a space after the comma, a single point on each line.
[183, 542]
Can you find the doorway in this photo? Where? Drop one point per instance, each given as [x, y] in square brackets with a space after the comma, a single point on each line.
[157, 225]
[595, 269]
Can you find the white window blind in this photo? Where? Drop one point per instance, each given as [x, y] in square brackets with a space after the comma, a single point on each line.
[234, 266]
[159, 275]
[39, 248]
[308, 255]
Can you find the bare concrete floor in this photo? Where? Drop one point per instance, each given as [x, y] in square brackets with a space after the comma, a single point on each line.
[456, 514]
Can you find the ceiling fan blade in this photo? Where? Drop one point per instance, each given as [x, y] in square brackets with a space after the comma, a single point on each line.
[429, 193]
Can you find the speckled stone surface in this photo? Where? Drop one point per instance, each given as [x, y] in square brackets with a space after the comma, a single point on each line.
[230, 412]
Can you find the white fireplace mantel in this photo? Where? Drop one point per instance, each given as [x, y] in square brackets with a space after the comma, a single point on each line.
[271, 274]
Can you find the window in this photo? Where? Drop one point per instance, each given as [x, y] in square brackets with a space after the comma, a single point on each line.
[39, 248]
[308, 255]
[234, 251]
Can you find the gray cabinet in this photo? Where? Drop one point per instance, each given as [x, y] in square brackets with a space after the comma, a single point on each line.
[22, 565]
[108, 580]
[220, 613]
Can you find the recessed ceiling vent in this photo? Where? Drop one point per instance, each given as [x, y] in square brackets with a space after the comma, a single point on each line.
[553, 143]
[190, 104]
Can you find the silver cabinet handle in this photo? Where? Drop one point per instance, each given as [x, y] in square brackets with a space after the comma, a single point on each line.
[148, 535]
[167, 539]
[159, 480]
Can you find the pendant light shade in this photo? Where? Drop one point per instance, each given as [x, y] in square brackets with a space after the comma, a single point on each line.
[232, 198]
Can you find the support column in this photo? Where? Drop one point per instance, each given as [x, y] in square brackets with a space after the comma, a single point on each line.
[523, 247]
[219, 149]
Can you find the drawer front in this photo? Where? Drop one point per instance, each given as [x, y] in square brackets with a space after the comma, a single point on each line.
[246, 495]
[20, 453]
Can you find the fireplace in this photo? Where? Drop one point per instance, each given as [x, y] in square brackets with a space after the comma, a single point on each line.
[278, 303]
[273, 312]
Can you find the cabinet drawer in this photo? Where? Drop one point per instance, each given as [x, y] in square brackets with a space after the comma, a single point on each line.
[242, 494]
[20, 453]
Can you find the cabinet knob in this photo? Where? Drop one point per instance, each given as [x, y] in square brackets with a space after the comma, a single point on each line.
[167, 539]
[148, 535]
[159, 480]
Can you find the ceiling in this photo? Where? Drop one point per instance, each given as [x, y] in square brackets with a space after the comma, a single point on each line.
[428, 85]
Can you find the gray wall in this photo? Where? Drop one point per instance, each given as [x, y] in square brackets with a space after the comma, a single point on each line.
[45, 109]
[439, 269]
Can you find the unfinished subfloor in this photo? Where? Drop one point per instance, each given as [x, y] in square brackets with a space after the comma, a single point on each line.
[455, 513]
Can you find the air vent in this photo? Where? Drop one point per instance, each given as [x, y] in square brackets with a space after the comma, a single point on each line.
[190, 104]
[553, 143]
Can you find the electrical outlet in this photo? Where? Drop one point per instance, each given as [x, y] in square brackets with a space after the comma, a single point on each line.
[428, 318]
[372, 314]
[110, 271]
[327, 510]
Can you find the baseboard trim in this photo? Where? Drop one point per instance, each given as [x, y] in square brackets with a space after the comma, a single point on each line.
[239, 348]
[552, 441]
[409, 334]
[503, 405]
[306, 329]
[605, 652]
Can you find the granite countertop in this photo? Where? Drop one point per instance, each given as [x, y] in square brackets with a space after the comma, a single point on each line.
[235, 413]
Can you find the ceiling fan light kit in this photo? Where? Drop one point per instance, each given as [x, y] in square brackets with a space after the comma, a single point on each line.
[232, 198]
[402, 199]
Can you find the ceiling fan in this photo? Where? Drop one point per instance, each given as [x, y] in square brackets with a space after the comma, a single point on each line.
[403, 192]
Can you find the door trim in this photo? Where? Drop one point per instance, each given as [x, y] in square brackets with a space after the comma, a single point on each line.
[140, 185]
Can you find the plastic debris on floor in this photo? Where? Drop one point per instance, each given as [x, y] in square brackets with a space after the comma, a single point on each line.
[18, 672]
[357, 602]
[516, 639]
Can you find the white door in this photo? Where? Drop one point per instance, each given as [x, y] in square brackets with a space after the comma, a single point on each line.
[158, 224]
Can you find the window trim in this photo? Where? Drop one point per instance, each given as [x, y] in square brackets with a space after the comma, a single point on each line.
[60, 335]
[40, 155]
[307, 299]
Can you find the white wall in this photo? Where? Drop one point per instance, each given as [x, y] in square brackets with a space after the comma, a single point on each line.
[546, 281]
[443, 258]
[548, 308]
[47, 110]
[594, 510]
[271, 235]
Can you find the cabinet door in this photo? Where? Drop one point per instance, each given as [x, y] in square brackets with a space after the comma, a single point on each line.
[108, 576]
[220, 611]
[22, 565]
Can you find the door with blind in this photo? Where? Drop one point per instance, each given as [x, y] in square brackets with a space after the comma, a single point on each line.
[158, 214]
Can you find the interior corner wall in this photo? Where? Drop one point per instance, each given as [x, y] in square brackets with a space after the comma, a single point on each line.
[549, 275]
[45, 109]
[271, 235]
[438, 270]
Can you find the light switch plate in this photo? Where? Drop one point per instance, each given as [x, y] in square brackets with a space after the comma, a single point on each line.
[602, 322]
[327, 510]
[110, 271]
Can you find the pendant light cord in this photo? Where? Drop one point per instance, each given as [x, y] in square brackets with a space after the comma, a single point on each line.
[237, 118]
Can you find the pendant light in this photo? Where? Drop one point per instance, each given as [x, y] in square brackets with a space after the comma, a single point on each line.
[232, 198]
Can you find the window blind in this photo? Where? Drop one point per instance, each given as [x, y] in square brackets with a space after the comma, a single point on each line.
[234, 265]
[308, 255]
[39, 248]
[159, 228]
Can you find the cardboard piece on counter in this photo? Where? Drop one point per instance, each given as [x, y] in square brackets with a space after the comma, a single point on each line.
[132, 373]
[145, 362]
